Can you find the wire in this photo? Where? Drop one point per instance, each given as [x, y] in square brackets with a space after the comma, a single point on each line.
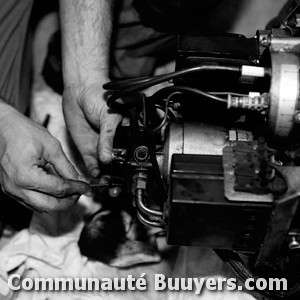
[282, 175]
[131, 88]
[124, 83]
[191, 90]
[229, 93]
[236, 264]
[166, 116]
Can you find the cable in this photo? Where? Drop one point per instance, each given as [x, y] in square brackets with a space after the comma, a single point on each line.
[162, 78]
[194, 91]
[229, 93]
[236, 264]
[166, 116]
[281, 174]
[124, 83]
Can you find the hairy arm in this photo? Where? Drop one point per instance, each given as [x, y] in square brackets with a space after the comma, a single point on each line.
[86, 35]
[86, 32]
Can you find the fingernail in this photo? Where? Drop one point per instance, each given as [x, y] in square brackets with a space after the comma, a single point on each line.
[106, 156]
[95, 172]
[88, 193]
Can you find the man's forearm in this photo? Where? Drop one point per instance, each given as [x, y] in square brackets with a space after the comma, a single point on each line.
[86, 34]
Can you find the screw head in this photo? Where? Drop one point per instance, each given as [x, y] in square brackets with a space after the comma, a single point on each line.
[141, 154]
[297, 117]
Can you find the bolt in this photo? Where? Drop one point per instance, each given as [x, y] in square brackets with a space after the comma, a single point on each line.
[141, 154]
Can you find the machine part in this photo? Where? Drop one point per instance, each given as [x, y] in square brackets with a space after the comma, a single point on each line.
[263, 37]
[119, 155]
[292, 12]
[240, 135]
[192, 138]
[149, 217]
[252, 167]
[297, 20]
[284, 212]
[141, 154]
[284, 91]
[297, 117]
[253, 71]
[259, 103]
[200, 215]
[294, 241]
[229, 182]
[140, 203]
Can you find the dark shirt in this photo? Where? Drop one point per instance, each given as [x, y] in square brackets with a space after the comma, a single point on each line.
[14, 58]
[175, 15]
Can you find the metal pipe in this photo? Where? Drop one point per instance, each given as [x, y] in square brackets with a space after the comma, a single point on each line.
[144, 209]
[148, 222]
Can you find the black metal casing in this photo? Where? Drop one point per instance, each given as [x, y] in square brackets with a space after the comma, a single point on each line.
[199, 214]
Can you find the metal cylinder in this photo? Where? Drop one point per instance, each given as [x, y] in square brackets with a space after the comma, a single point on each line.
[192, 138]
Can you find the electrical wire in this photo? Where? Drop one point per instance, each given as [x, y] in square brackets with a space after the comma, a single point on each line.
[229, 93]
[282, 175]
[241, 271]
[124, 83]
[166, 116]
[132, 86]
[194, 91]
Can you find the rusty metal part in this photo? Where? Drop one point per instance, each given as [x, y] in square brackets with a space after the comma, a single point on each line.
[229, 181]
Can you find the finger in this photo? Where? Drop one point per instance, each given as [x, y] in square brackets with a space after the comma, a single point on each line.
[107, 132]
[39, 180]
[91, 163]
[56, 157]
[42, 202]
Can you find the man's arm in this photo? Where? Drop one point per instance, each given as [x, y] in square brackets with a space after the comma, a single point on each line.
[86, 35]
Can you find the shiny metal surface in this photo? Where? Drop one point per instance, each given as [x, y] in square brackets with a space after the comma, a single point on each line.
[193, 138]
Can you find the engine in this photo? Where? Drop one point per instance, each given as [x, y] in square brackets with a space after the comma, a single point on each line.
[213, 159]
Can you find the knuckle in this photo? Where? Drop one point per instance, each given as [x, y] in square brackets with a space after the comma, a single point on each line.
[21, 178]
[62, 190]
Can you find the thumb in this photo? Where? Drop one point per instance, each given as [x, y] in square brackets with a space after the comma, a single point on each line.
[108, 126]
[91, 163]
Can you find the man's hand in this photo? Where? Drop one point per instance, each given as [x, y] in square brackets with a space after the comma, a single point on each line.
[91, 123]
[86, 27]
[33, 166]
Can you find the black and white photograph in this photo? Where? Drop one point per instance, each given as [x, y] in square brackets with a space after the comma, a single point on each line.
[149, 149]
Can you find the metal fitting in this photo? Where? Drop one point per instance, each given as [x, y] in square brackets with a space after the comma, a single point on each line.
[139, 180]
[293, 240]
[259, 103]
[297, 117]
[141, 154]
[294, 244]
